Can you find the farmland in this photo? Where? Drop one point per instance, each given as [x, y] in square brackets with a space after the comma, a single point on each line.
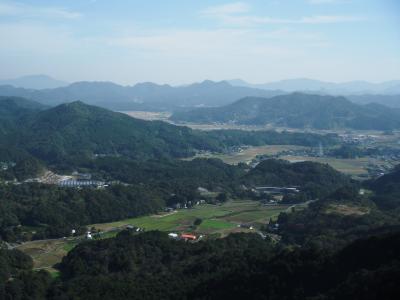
[221, 219]
[354, 167]
[247, 154]
[217, 221]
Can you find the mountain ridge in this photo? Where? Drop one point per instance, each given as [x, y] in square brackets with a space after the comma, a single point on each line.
[142, 96]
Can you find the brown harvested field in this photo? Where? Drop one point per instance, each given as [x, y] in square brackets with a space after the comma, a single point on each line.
[46, 253]
[347, 210]
[148, 115]
[348, 166]
[249, 153]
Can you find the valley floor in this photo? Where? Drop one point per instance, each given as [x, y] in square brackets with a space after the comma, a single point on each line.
[217, 221]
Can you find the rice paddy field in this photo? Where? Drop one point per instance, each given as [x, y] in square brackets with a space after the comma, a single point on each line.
[221, 219]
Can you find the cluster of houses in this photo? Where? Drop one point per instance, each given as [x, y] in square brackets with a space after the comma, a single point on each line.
[358, 139]
[188, 204]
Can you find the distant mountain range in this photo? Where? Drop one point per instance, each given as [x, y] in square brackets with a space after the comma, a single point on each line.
[317, 86]
[142, 96]
[154, 97]
[298, 110]
[36, 82]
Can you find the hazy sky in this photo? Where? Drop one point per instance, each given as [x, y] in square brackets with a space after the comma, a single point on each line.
[184, 41]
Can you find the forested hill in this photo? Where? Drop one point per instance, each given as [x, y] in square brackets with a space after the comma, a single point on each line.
[78, 129]
[298, 110]
[76, 132]
[315, 179]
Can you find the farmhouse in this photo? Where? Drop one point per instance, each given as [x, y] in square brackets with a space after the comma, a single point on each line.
[187, 237]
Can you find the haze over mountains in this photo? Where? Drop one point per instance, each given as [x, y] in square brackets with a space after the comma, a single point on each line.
[317, 86]
[34, 82]
[145, 96]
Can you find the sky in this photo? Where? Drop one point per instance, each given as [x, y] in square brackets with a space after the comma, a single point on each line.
[179, 42]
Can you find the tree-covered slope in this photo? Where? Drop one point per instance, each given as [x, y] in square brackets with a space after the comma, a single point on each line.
[387, 190]
[388, 183]
[13, 108]
[298, 111]
[16, 106]
[241, 266]
[79, 129]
